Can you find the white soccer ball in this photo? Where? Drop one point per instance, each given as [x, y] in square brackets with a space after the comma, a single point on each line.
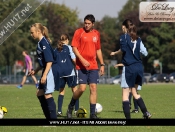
[98, 108]
[1, 114]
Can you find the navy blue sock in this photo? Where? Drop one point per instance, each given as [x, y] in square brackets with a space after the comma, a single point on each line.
[77, 105]
[72, 102]
[52, 108]
[130, 96]
[126, 109]
[135, 104]
[37, 85]
[141, 104]
[44, 107]
[60, 102]
[92, 108]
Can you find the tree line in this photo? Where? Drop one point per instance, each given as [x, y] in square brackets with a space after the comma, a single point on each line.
[58, 18]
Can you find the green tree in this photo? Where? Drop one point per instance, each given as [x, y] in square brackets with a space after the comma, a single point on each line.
[114, 71]
[60, 19]
[107, 29]
[161, 45]
[20, 39]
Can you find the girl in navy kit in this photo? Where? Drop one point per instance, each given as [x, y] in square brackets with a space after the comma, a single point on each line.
[66, 63]
[46, 61]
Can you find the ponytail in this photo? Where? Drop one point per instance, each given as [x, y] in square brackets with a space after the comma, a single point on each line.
[46, 34]
[61, 41]
[60, 45]
[133, 32]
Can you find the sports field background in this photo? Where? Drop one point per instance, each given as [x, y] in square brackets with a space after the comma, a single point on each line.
[23, 103]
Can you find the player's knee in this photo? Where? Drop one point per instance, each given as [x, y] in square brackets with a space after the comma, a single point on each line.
[74, 89]
[61, 91]
[136, 96]
[81, 90]
[93, 90]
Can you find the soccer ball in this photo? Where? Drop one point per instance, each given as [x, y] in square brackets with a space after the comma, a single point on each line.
[98, 108]
[4, 109]
[81, 113]
[1, 114]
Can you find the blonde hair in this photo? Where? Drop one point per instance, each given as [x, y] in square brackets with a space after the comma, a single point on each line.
[61, 41]
[43, 30]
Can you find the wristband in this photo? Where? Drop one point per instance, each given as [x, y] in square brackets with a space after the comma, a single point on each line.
[102, 64]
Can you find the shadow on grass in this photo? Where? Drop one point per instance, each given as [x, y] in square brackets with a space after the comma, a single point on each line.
[117, 111]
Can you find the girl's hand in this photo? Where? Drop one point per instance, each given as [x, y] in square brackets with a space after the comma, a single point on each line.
[112, 53]
[43, 79]
[32, 72]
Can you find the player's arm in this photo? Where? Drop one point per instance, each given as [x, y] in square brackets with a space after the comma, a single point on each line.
[32, 72]
[75, 43]
[143, 49]
[74, 61]
[49, 59]
[116, 52]
[46, 71]
[78, 55]
[100, 58]
[72, 55]
[30, 65]
[118, 65]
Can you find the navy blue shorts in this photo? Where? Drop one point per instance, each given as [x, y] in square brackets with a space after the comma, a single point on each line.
[71, 81]
[132, 75]
[88, 76]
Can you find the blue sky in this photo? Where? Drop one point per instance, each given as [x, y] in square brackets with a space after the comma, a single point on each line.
[99, 8]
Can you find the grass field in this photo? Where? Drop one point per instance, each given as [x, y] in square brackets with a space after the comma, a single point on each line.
[22, 103]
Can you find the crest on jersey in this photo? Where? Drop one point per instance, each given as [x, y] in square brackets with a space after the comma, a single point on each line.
[94, 39]
[44, 47]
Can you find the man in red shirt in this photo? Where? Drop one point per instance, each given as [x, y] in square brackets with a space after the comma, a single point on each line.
[86, 46]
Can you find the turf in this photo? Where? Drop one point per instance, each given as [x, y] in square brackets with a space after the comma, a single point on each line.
[22, 103]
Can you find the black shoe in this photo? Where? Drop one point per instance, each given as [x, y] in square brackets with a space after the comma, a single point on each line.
[93, 116]
[69, 112]
[59, 114]
[147, 115]
[135, 111]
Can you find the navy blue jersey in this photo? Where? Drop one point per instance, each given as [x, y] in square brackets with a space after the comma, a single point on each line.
[131, 50]
[64, 62]
[45, 52]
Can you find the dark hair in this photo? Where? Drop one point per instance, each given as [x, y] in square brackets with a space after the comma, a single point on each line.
[25, 52]
[131, 28]
[89, 17]
[61, 41]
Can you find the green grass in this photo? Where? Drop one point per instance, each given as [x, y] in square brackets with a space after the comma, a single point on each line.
[23, 103]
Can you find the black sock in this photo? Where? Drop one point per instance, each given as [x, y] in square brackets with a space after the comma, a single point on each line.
[72, 102]
[60, 102]
[92, 108]
[136, 107]
[126, 109]
[141, 104]
[52, 108]
[77, 105]
[44, 107]
[130, 96]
